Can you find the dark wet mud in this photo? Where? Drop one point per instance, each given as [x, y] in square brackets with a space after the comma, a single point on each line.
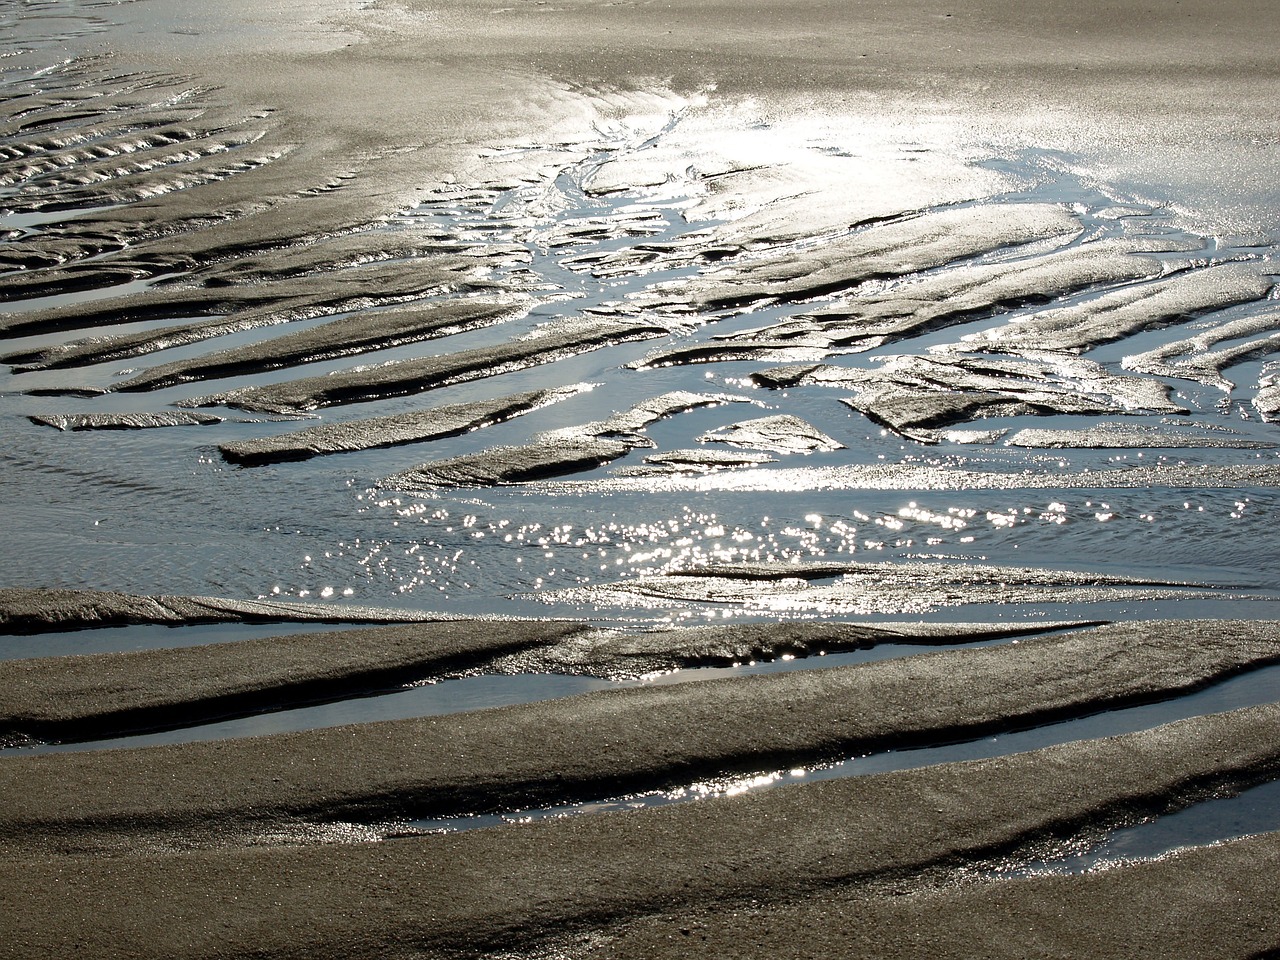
[723, 464]
[1095, 915]
[91, 697]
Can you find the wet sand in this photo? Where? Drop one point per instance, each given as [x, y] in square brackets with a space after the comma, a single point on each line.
[876, 839]
[301, 845]
[1194, 85]
[572, 750]
[359, 102]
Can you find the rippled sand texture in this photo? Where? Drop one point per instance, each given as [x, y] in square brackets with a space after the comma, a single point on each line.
[579, 479]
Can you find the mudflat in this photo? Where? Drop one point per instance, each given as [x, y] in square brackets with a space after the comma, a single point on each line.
[239, 156]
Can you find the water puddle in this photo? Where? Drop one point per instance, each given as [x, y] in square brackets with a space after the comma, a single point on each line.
[1217, 820]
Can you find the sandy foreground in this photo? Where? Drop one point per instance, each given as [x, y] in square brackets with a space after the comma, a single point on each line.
[305, 844]
[301, 845]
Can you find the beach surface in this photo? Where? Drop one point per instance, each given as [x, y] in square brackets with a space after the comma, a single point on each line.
[630, 479]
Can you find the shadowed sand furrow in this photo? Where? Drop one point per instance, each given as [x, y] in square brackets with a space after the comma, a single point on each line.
[607, 743]
[43, 145]
[1206, 902]
[107, 160]
[99, 696]
[35, 610]
[157, 305]
[328, 180]
[165, 230]
[52, 249]
[90, 88]
[40, 280]
[340, 252]
[785, 349]
[125, 168]
[174, 172]
[498, 466]
[1192, 358]
[349, 336]
[242, 308]
[62, 124]
[94, 127]
[403, 377]
[629, 656]
[261, 209]
[915, 396]
[329, 254]
[896, 249]
[966, 294]
[414, 427]
[519, 886]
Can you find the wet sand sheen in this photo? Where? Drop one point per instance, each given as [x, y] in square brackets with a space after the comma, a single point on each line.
[399, 378]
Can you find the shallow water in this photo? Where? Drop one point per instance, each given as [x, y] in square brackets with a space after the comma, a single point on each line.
[160, 511]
